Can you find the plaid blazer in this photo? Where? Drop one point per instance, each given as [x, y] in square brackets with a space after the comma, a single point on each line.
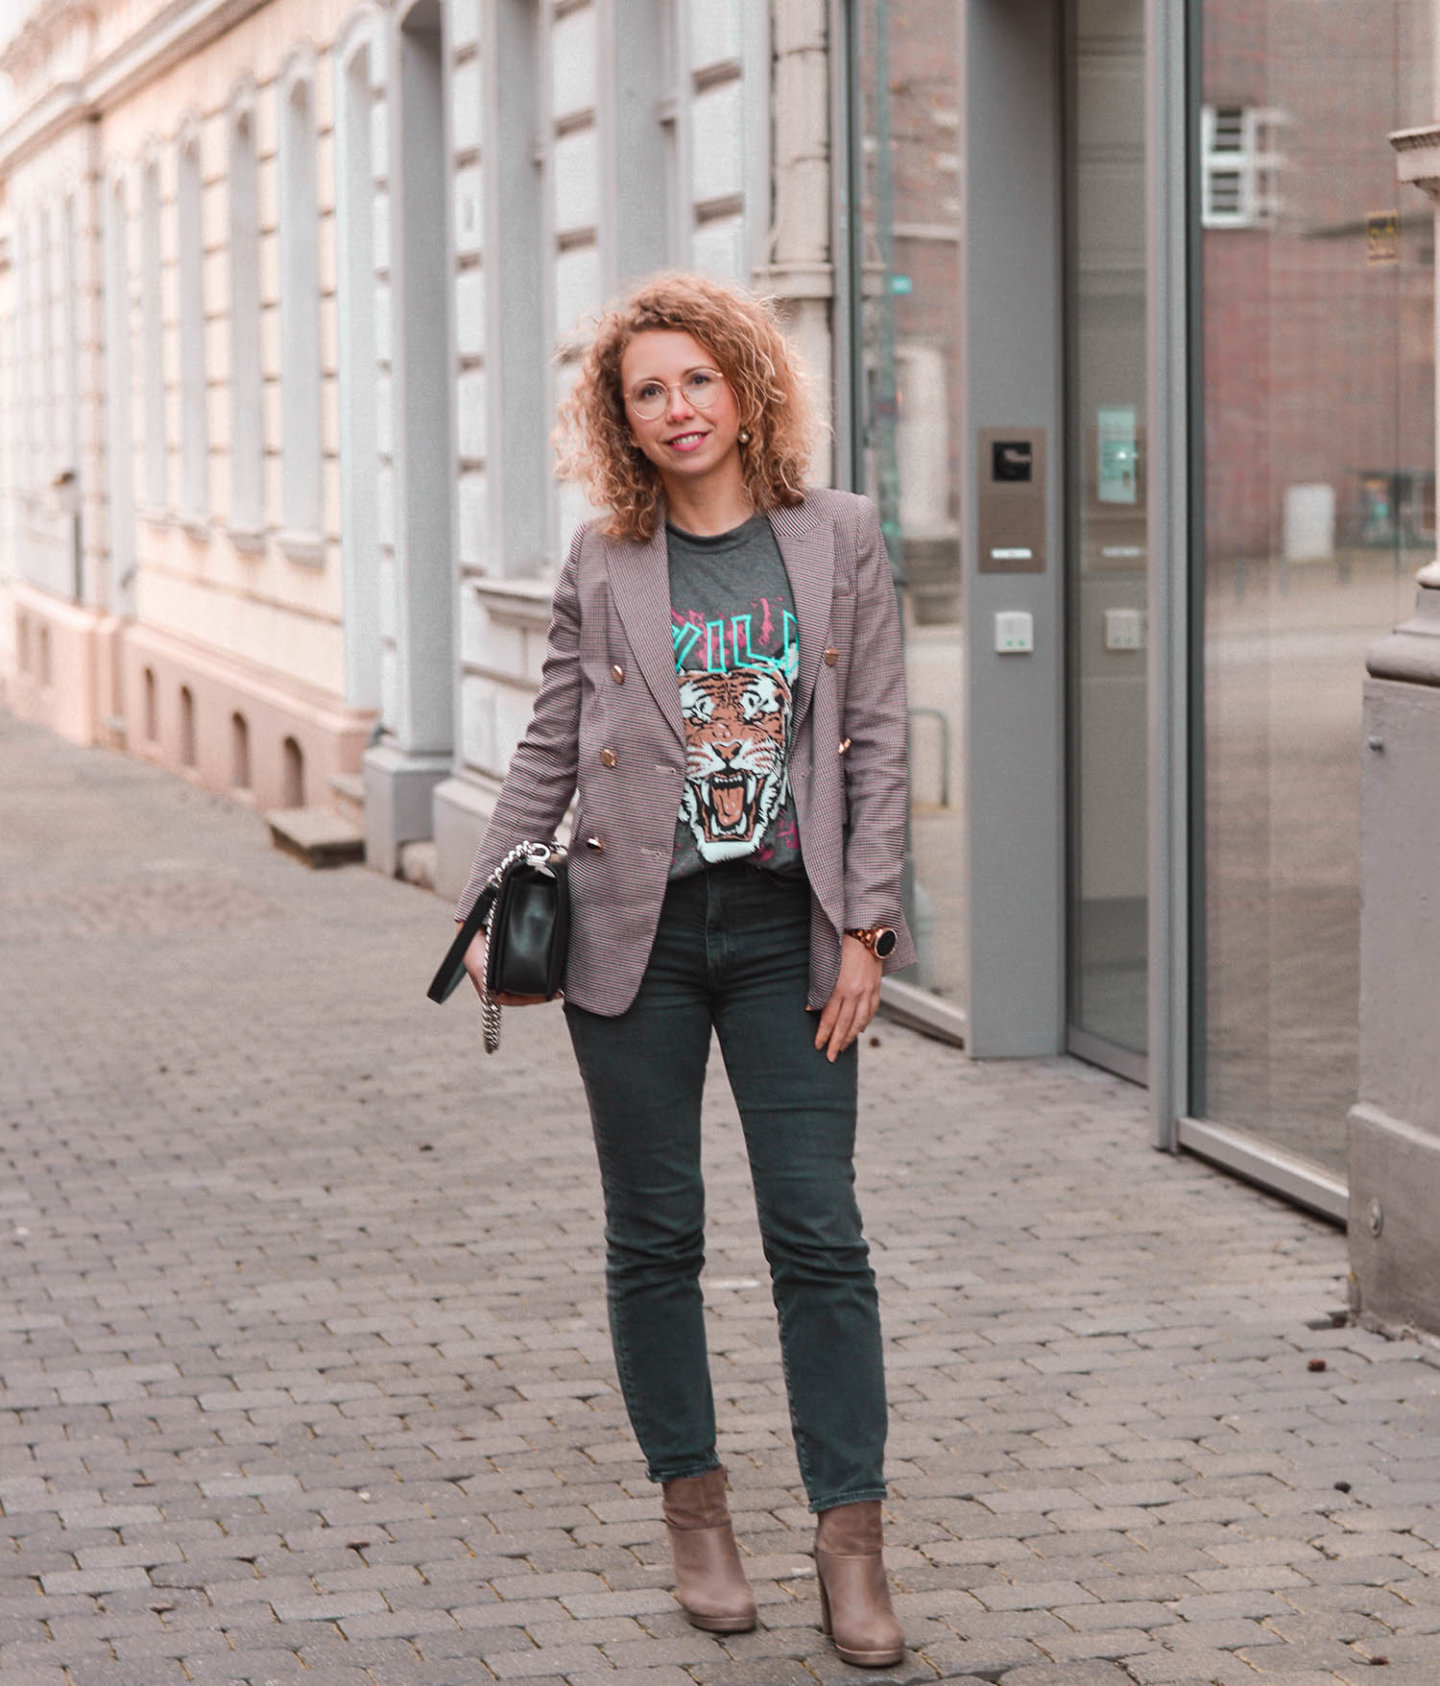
[607, 726]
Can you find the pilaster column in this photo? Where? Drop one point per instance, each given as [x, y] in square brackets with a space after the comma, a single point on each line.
[799, 268]
[1395, 1125]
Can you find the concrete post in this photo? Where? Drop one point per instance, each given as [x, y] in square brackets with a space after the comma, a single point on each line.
[1395, 1125]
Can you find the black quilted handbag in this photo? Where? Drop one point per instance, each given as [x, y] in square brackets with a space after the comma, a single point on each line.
[524, 910]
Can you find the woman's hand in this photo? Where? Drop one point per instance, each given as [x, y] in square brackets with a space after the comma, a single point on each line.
[853, 1002]
[475, 966]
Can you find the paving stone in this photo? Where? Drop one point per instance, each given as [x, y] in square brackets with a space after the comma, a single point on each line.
[310, 1376]
[774, 1672]
[1066, 1674]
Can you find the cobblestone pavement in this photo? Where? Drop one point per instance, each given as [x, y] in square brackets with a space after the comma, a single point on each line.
[305, 1368]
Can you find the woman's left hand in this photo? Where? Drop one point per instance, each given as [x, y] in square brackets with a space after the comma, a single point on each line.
[853, 1002]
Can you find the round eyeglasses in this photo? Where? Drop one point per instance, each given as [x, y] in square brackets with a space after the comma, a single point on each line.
[700, 388]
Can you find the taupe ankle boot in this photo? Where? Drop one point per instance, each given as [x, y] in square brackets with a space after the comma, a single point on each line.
[855, 1609]
[709, 1581]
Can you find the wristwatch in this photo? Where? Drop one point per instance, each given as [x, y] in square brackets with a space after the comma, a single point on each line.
[880, 941]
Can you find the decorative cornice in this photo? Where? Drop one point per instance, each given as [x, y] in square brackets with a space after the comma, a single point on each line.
[177, 30]
[38, 35]
[1417, 157]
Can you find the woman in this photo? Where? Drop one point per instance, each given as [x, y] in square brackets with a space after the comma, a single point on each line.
[724, 691]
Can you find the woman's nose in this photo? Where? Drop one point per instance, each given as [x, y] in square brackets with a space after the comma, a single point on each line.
[679, 406]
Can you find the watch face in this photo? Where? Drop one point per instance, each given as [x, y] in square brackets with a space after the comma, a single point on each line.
[885, 943]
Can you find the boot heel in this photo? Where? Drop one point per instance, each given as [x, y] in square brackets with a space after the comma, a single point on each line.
[825, 1627]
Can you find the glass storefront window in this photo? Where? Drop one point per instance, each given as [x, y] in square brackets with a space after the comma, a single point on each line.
[1107, 525]
[906, 397]
[1319, 506]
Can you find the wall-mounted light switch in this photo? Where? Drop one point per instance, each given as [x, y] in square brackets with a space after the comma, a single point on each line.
[1015, 632]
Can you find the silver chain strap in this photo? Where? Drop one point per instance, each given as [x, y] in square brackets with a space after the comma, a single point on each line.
[538, 854]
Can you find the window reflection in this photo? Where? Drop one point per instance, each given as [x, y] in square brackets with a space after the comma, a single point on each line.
[907, 416]
[1107, 517]
[1319, 506]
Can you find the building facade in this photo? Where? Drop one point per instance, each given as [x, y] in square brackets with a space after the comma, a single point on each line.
[1117, 309]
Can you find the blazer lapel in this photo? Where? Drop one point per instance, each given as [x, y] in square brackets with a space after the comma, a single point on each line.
[639, 577]
[807, 544]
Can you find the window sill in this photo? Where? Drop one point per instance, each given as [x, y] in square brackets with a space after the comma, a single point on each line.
[249, 539]
[305, 548]
[195, 526]
[522, 603]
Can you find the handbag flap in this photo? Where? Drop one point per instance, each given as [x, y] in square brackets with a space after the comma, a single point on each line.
[529, 932]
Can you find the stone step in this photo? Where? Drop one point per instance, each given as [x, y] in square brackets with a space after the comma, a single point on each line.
[320, 837]
[349, 791]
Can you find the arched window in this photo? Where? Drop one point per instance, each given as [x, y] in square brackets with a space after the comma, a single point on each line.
[67, 314]
[152, 335]
[247, 439]
[49, 241]
[152, 708]
[425, 373]
[293, 776]
[355, 204]
[119, 420]
[239, 752]
[24, 355]
[187, 727]
[520, 494]
[194, 428]
[299, 317]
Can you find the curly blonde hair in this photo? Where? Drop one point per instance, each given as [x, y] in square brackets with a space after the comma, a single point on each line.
[739, 329]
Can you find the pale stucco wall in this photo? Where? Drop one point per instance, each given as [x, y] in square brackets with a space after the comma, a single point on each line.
[270, 619]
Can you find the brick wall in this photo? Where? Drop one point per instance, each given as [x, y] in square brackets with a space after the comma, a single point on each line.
[1317, 363]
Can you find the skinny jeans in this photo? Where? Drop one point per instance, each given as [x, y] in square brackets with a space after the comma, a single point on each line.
[732, 954]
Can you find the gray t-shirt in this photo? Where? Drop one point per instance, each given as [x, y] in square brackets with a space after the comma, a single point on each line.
[737, 654]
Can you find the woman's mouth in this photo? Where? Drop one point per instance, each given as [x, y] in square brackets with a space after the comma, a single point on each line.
[686, 441]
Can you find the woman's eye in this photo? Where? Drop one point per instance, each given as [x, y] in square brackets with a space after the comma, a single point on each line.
[698, 383]
[646, 393]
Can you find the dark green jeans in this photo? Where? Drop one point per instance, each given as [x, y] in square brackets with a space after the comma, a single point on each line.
[732, 952]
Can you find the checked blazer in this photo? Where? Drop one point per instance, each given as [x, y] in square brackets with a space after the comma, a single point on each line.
[607, 727]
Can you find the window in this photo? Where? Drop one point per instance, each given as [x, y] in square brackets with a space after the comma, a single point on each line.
[517, 487]
[187, 726]
[152, 708]
[1237, 166]
[25, 354]
[239, 752]
[46, 295]
[119, 421]
[194, 430]
[299, 318]
[67, 421]
[152, 336]
[247, 443]
[355, 206]
[1318, 393]
[292, 775]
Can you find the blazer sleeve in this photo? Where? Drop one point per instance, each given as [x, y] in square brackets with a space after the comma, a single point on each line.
[876, 780]
[542, 772]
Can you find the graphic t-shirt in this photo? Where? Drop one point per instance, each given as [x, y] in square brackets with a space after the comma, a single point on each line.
[737, 654]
